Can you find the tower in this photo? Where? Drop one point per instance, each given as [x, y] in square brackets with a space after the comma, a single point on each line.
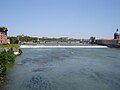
[117, 35]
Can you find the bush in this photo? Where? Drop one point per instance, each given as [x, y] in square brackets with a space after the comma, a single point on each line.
[5, 57]
[2, 70]
[10, 58]
[20, 51]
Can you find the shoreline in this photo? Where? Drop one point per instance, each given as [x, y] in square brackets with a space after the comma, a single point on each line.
[8, 53]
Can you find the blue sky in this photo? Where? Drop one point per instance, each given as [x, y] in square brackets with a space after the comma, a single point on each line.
[56, 18]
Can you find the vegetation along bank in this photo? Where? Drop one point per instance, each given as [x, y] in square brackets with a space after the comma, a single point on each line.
[8, 54]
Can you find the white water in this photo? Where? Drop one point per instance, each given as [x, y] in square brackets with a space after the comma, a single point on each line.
[39, 46]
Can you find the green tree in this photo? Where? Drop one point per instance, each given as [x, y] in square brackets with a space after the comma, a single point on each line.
[2, 63]
[13, 40]
[92, 40]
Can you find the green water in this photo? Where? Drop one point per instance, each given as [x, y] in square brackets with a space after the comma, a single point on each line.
[65, 69]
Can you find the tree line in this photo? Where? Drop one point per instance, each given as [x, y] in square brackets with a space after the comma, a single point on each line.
[16, 40]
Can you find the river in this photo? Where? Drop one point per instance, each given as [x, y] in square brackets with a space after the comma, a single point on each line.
[65, 69]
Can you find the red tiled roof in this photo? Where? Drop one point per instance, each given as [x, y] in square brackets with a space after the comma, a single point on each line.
[3, 27]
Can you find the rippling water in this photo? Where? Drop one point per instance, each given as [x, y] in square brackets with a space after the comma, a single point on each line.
[65, 69]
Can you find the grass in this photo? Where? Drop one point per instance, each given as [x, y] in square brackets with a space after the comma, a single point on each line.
[9, 46]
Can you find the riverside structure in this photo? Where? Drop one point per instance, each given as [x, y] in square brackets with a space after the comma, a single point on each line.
[39, 46]
[3, 35]
[110, 42]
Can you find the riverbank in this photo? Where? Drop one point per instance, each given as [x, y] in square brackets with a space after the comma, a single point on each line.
[7, 56]
[14, 47]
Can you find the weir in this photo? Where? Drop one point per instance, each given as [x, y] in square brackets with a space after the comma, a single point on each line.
[40, 46]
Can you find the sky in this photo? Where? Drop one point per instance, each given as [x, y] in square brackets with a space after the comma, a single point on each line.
[61, 18]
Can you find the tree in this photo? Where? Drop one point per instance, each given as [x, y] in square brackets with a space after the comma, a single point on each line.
[13, 40]
[92, 40]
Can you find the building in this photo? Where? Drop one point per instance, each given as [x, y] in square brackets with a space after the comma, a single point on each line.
[3, 35]
[106, 41]
[110, 42]
[21, 35]
[117, 35]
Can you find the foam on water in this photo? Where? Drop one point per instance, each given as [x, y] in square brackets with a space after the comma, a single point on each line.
[39, 46]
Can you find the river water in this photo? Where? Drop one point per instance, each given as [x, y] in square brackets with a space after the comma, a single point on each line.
[65, 69]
